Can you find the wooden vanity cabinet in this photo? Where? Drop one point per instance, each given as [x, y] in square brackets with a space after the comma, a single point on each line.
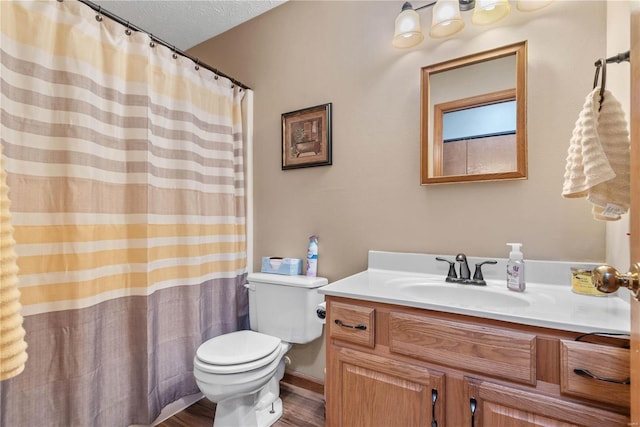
[394, 366]
[369, 388]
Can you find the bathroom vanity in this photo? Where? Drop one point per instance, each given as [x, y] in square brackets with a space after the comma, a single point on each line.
[404, 348]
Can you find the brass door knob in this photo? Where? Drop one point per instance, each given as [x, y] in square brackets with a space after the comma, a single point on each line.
[607, 279]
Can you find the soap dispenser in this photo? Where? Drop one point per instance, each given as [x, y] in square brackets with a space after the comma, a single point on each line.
[515, 268]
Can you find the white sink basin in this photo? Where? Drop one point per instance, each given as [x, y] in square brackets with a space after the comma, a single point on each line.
[437, 291]
[464, 295]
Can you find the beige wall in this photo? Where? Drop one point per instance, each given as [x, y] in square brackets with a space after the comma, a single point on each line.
[306, 53]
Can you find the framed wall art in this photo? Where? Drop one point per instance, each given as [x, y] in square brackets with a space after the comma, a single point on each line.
[306, 137]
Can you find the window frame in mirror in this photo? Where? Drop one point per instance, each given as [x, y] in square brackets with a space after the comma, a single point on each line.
[479, 101]
[427, 146]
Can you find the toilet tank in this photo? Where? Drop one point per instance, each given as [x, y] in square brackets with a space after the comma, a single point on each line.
[285, 306]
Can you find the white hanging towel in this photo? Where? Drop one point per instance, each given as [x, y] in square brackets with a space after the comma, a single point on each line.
[598, 157]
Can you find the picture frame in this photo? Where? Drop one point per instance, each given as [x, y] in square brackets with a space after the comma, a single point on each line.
[306, 137]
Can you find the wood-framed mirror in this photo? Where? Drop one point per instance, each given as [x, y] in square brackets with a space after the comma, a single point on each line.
[473, 117]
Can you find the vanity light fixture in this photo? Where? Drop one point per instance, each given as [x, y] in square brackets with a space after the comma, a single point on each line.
[447, 18]
[408, 32]
[489, 11]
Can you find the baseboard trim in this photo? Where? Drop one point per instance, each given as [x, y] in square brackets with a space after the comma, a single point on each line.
[304, 381]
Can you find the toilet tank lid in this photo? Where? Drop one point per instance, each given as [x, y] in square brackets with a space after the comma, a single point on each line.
[281, 279]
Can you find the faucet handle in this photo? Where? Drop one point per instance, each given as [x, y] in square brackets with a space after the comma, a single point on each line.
[477, 275]
[451, 275]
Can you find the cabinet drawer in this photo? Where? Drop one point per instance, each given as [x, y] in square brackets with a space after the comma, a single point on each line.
[352, 323]
[498, 352]
[600, 360]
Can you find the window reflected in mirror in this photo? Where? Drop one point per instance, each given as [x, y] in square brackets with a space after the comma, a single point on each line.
[473, 117]
[476, 135]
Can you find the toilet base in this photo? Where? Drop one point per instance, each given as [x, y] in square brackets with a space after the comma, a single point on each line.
[268, 416]
[244, 414]
[260, 409]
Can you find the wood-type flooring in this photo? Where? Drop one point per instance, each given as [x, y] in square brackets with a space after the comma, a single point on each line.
[302, 408]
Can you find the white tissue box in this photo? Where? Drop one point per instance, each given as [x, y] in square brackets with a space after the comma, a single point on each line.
[278, 265]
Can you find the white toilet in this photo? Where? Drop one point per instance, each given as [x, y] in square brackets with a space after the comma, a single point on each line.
[241, 371]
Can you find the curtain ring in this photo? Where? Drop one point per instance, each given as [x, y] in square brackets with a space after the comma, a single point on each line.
[128, 30]
[99, 16]
[175, 55]
[152, 43]
[197, 64]
[215, 76]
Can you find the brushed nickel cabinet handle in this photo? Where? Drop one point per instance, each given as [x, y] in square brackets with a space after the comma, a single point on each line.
[359, 326]
[473, 404]
[587, 374]
[434, 398]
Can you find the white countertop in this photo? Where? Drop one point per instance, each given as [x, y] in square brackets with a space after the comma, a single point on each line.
[547, 302]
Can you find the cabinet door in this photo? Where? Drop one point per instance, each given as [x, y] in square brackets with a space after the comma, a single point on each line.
[493, 405]
[497, 415]
[376, 391]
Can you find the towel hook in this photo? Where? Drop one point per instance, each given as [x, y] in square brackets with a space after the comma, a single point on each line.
[601, 63]
[598, 64]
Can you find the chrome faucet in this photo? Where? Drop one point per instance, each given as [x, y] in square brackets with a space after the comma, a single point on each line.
[465, 273]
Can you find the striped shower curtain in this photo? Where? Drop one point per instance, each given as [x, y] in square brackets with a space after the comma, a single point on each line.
[125, 172]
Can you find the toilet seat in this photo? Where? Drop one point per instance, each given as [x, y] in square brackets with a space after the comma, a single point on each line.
[236, 352]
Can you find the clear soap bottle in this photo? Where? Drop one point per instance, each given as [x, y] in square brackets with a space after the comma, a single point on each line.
[515, 268]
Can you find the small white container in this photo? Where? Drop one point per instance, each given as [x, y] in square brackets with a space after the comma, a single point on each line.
[515, 269]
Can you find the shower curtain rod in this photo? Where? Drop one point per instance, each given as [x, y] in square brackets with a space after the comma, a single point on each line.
[130, 26]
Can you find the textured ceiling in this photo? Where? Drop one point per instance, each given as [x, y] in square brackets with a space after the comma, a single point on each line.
[186, 23]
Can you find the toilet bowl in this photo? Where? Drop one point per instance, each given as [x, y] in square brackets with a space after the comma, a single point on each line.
[241, 371]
